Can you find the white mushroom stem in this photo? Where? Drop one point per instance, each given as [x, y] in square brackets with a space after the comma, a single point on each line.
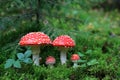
[50, 65]
[35, 52]
[75, 64]
[63, 57]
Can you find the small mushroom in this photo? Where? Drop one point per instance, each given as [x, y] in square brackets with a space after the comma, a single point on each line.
[74, 59]
[50, 61]
[63, 42]
[35, 40]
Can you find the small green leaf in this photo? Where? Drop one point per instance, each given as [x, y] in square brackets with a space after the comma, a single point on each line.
[92, 62]
[88, 51]
[17, 64]
[80, 54]
[9, 63]
[28, 53]
[83, 65]
[28, 60]
[82, 61]
[20, 56]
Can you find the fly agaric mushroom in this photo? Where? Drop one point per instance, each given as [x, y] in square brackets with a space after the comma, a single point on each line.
[50, 61]
[35, 39]
[63, 42]
[74, 59]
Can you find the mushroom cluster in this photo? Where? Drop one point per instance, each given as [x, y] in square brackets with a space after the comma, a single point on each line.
[38, 39]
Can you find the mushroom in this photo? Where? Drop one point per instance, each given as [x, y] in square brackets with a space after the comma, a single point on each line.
[74, 59]
[50, 60]
[63, 42]
[35, 39]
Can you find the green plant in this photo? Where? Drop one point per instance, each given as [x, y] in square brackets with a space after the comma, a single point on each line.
[87, 59]
[11, 62]
[21, 57]
[25, 57]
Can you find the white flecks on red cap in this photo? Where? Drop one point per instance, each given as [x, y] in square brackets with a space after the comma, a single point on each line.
[50, 60]
[75, 57]
[64, 41]
[35, 38]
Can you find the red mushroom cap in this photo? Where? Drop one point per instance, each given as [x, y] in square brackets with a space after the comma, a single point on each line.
[75, 57]
[50, 60]
[35, 38]
[64, 41]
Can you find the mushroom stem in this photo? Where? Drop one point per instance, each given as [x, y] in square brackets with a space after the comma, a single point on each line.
[63, 57]
[75, 64]
[51, 66]
[35, 52]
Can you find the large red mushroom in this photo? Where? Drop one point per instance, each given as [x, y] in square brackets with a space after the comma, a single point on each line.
[35, 40]
[63, 42]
